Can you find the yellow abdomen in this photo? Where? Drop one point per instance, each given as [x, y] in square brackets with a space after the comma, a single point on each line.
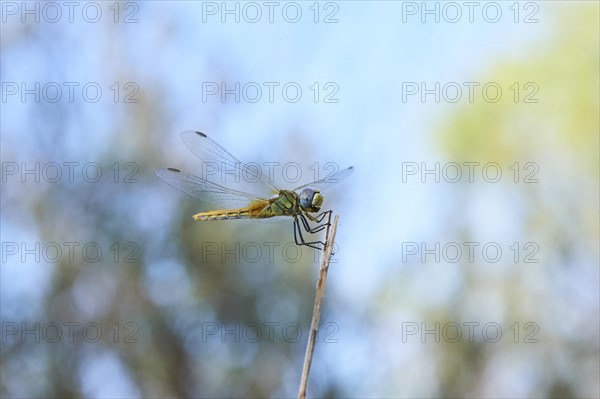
[258, 210]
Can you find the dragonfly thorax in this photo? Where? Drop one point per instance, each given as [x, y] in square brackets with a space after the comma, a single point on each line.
[311, 200]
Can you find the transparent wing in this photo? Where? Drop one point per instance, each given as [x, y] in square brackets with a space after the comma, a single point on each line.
[218, 163]
[206, 191]
[329, 182]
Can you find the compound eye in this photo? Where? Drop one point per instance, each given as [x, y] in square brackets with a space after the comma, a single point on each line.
[306, 198]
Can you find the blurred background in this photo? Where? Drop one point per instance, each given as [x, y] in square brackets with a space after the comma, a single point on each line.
[467, 259]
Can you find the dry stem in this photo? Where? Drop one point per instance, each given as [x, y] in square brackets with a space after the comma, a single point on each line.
[314, 325]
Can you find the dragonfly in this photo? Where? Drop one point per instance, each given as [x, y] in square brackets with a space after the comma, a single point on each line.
[302, 204]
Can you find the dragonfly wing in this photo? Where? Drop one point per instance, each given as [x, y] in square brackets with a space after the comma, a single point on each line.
[220, 162]
[206, 191]
[329, 182]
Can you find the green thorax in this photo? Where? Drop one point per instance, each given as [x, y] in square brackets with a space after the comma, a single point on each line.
[285, 204]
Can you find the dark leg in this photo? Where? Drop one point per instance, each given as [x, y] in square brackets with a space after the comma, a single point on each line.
[318, 219]
[311, 230]
[299, 239]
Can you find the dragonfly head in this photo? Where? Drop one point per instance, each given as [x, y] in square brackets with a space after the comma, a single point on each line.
[311, 200]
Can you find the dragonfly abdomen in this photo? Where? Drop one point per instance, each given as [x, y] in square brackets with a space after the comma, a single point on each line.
[220, 215]
[255, 211]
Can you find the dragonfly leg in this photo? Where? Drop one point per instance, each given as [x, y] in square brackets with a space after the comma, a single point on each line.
[296, 227]
[310, 230]
[299, 239]
[319, 219]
